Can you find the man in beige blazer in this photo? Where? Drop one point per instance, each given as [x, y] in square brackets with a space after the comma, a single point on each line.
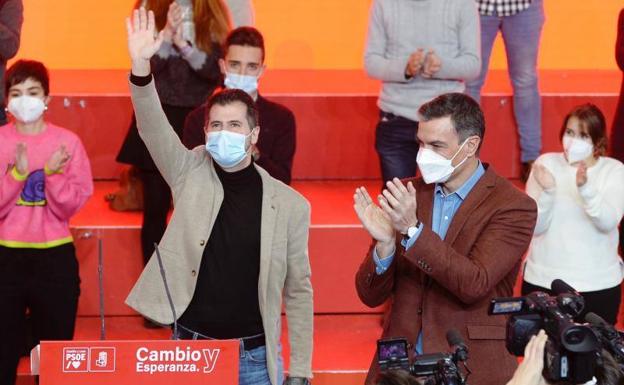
[241, 256]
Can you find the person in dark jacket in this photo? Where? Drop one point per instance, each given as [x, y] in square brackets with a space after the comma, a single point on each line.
[242, 66]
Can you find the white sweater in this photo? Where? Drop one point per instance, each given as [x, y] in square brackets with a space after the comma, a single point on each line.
[576, 235]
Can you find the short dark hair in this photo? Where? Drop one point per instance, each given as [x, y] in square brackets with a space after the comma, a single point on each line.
[465, 113]
[245, 36]
[591, 120]
[27, 69]
[228, 96]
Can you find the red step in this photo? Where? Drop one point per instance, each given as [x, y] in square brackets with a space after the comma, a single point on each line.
[337, 246]
[336, 115]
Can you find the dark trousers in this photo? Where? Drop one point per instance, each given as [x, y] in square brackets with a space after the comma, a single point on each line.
[605, 303]
[156, 192]
[156, 205]
[46, 283]
[396, 145]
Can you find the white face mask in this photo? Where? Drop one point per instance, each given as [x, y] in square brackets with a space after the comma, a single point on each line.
[247, 83]
[434, 167]
[576, 150]
[26, 108]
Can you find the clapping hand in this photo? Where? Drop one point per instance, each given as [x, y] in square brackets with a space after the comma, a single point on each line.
[581, 174]
[396, 212]
[58, 160]
[431, 65]
[543, 177]
[143, 42]
[174, 19]
[21, 159]
[414, 63]
[374, 220]
[399, 203]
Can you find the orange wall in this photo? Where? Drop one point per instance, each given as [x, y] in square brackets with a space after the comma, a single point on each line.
[319, 34]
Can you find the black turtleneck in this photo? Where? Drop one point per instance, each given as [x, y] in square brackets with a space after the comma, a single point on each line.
[225, 302]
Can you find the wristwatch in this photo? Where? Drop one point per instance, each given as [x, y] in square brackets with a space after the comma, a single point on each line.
[411, 231]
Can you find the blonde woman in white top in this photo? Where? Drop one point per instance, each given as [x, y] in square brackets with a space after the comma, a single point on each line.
[580, 197]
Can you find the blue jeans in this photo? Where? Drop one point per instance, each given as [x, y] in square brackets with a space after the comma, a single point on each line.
[395, 142]
[252, 363]
[521, 34]
[252, 367]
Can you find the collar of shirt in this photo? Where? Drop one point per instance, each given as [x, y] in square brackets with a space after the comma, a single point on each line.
[463, 191]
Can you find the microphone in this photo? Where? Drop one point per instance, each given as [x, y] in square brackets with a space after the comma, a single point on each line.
[164, 278]
[596, 320]
[456, 343]
[608, 335]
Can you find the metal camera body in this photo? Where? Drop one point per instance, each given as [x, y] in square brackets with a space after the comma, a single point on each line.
[436, 368]
[572, 349]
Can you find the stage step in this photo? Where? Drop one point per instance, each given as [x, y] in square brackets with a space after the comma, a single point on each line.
[343, 344]
[336, 115]
[337, 246]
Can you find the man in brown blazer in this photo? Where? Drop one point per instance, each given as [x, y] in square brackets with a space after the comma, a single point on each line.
[238, 238]
[446, 243]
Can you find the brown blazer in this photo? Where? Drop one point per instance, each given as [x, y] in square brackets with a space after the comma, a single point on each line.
[198, 194]
[442, 284]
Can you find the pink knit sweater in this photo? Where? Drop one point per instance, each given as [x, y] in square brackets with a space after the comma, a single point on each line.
[35, 209]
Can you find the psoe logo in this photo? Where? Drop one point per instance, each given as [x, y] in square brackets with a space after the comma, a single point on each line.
[178, 360]
[102, 359]
[75, 359]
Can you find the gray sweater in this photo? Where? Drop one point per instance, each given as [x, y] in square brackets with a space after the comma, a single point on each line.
[397, 28]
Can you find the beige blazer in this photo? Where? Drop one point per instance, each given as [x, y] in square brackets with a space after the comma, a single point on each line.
[197, 195]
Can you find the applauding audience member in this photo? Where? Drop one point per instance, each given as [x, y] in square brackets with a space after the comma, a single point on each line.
[419, 50]
[580, 197]
[47, 180]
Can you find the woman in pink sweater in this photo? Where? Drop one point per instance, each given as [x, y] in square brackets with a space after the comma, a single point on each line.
[46, 180]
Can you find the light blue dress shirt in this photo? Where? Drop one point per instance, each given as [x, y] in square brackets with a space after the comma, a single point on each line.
[444, 209]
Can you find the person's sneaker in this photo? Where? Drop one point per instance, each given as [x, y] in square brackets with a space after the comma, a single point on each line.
[526, 170]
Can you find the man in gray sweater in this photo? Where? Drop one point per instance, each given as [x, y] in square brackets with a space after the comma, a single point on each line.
[419, 49]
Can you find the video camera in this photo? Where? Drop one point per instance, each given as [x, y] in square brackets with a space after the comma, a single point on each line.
[572, 350]
[436, 368]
